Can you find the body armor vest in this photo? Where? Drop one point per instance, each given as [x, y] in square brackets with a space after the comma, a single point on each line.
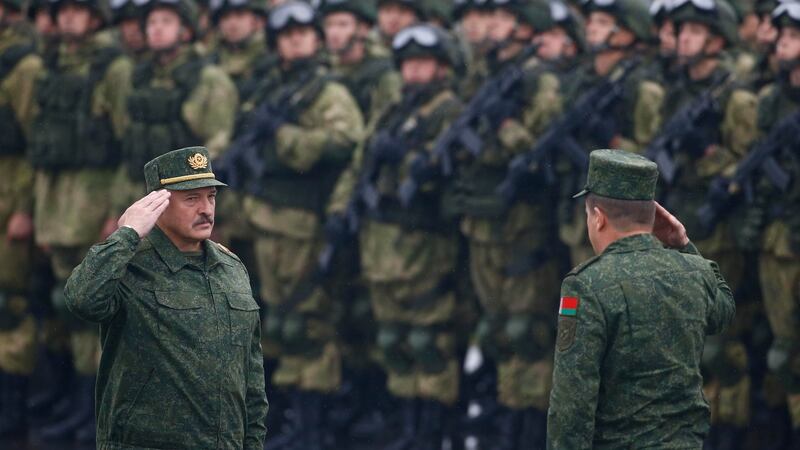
[361, 81]
[12, 139]
[157, 125]
[68, 135]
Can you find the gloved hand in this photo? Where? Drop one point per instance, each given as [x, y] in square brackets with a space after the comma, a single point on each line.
[388, 149]
[267, 120]
[497, 112]
[601, 129]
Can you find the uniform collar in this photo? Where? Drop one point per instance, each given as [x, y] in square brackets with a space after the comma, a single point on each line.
[637, 242]
[174, 259]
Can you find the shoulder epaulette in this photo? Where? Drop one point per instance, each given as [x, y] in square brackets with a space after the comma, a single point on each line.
[580, 267]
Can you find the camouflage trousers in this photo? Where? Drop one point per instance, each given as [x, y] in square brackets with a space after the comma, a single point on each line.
[17, 325]
[725, 358]
[780, 282]
[518, 321]
[84, 340]
[298, 329]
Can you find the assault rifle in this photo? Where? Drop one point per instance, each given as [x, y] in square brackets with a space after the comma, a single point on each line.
[499, 89]
[724, 193]
[561, 136]
[676, 135]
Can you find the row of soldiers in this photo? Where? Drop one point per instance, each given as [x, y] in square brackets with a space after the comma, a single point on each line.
[400, 180]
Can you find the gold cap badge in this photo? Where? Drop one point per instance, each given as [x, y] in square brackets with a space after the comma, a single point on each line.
[198, 161]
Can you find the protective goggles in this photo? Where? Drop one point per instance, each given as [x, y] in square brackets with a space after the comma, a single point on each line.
[422, 35]
[559, 12]
[703, 5]
[297, 12]
[792, 9]
[119, 4]
[145, 2]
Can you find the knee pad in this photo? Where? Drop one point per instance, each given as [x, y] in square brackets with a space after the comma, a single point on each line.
[725, 359]
[486, 335]
[273, 326]
[293, 333]
[390, 339]
[530, 337]
[783, 359]
[422, 342]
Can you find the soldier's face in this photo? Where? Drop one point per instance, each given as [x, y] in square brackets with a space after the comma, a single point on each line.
[74, 20]
[44, 23]
[476, 26]
[555, 43]
[599, 28]
[190, 214]
[788, 48]
[667, 43]
[766, 34]
[692, 39]
[297, 43]
[393, 17]
[131, 33]
[503, 25]
[340, 28]
[238, 25]
[419, 70]
[164, 29]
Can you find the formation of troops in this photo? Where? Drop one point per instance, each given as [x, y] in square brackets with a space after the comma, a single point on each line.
[401, 176]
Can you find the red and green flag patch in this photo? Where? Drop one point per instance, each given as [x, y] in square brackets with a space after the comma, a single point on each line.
[569, 306]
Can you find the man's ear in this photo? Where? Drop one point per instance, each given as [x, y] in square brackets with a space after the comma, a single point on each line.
[600, 220]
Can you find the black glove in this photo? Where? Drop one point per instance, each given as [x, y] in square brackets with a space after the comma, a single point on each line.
[500, 110]
[388, 149]
[601, 129]
[267, 121]
[336, 229]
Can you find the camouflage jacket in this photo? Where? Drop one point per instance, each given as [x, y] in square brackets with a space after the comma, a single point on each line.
[181, 365]
[631, 330]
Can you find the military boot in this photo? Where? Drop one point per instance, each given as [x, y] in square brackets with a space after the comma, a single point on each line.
[410, 415]
[312, 425]
[509, 428]
[49, 401]
[83, 400]
[289, 432]
[431, 424]
[534, 429]
[13, 389]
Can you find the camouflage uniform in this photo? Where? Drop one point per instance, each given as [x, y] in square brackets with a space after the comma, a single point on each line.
[19, 69]
[779, 259]
[631, 327]
[180, 331]
[185, 102]
[636, 118]
[307, 152]
[724, 143]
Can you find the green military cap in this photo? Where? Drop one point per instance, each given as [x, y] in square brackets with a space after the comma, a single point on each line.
[621, 175]
[181, 170]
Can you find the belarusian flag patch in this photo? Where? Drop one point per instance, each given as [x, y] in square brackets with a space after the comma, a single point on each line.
[569, 306]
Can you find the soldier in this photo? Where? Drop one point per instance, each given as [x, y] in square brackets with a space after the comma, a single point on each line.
[19, 68]
[361, 64]
[179, 99]
[562, 41]
[301, 133]
[474, 18]
[394, 15]
[75, 151]
[181, 364]
[713, 147]
[632, 321]
[408, 254]
[779, 262]
[666, 59]
[39, 14]
[127, 17]
[616, 33]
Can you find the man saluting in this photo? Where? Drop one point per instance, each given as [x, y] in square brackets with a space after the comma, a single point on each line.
[181, 366]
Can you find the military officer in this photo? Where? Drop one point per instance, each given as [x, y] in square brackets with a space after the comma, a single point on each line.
[19, 69]
[75, 150]
[632, 321]
[182, 364]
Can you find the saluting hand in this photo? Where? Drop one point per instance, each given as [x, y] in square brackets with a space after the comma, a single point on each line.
[142, 215]
[668, 229]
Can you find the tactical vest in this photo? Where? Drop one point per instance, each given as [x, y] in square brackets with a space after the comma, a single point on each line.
[12, 139]
[156, 120]
[67, 134]
[367, 76]
[424, 213]
[284, 186]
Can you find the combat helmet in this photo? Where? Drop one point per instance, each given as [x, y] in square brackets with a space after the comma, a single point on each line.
[423, 40]
[632, 14]
[125, 9]
[187, 10]
[786, 14]
[718, 15]
[563, 16]
[289, 14]
[98, 7]
[18, 5]
[416, 5]
[460, 7]
[535, 13]
[220, 7]
[363, 9]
